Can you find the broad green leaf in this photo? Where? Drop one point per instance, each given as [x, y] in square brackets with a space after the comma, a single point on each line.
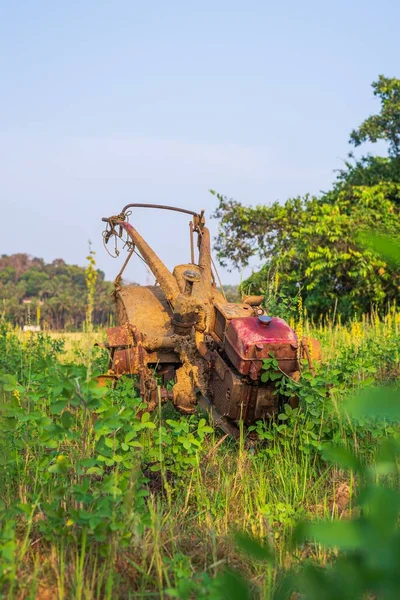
[234, 586]
[382, 403]
[345, 535]
[253, 548]
[386, 246]
[67, 419]
[341, 457]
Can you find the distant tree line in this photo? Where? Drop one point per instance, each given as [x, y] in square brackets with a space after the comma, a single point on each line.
[53, 295]
[232, 292]
[314, 246]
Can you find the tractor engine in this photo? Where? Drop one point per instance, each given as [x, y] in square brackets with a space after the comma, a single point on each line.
[244, 343]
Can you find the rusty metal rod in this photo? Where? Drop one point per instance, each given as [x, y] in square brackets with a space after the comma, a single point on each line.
[119, 276]
[191, 243]
[166, 280]
[161, 206]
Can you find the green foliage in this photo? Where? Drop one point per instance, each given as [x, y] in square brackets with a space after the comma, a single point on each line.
[367, 547]
[385, 125]
[317, 420]
[143, 504]
[386, 246]
[181, 441]
[311, 244]
[368, 171]
[56, 292]
[91, 280]
[103, 500]
[82, 451]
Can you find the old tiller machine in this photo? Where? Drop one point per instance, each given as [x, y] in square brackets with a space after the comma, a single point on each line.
[183, 330]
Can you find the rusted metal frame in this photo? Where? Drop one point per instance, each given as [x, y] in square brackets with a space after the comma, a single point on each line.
[117, 346]
[138, 338]
[249, 405]
[253, 300]
[206, 261]
[219, 421]
[162, 207]
[198, 217]
[204, 246]
[191, 243]
[119, 276]
[166, 280]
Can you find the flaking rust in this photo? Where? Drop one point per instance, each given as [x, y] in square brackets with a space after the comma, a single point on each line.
[181, 332]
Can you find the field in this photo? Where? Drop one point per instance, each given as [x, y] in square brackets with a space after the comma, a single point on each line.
[99, 499]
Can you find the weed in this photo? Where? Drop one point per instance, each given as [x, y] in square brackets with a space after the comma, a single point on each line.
[100, 499]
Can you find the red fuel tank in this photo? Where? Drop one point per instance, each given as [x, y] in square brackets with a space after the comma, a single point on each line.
[249, 340]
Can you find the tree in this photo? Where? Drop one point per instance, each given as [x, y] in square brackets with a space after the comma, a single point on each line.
[372, 170]
[59, 289]
[385, 125]
[368, 170]
[311, 244]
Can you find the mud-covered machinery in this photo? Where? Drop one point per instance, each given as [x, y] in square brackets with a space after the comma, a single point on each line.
[186, 342]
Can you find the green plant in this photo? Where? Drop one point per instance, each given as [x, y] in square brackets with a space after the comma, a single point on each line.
[101, 499]
[365, 549]
[57, 293]
[386, 125]
[311, 243]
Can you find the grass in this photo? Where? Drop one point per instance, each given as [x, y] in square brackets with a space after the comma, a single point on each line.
[85, 518]
[77, 345]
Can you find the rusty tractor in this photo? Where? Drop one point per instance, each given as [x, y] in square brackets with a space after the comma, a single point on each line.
[183, 331]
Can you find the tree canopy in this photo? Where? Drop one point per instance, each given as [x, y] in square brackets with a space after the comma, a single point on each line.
[314, 244]
[385, 125]
[54, 294]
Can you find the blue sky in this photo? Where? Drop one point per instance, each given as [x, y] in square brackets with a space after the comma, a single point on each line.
[105, 103]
